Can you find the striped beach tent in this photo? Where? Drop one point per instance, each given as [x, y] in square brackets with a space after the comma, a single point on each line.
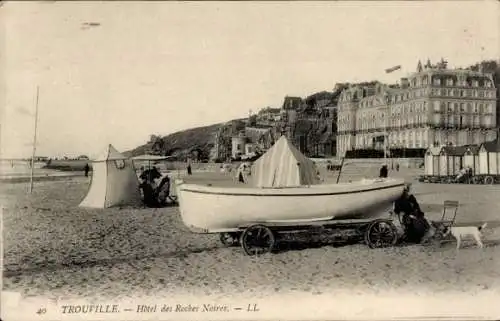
[283, 165]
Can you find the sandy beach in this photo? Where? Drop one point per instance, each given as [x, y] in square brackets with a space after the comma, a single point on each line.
[53, 248]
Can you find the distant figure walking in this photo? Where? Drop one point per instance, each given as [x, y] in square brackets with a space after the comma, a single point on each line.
[189, 171]
[86, 169]
[241, 179]
[397, 167]
[383, 171]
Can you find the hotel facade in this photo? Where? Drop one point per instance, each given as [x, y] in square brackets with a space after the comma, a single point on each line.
[433, 106]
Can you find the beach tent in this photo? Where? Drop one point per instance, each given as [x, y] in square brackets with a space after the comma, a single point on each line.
[489, 158]
[283, 165]
[114, 182]
[431, 161]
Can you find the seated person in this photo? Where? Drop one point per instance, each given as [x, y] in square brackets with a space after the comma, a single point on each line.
[413, 218]
[150, 175]
[149, 195]
[163, 190]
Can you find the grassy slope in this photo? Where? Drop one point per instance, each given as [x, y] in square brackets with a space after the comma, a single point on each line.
[183, 141]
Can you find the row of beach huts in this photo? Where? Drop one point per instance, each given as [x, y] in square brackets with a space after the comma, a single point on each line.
[446, 164]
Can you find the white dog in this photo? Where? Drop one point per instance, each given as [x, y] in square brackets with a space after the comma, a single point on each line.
[460, 232]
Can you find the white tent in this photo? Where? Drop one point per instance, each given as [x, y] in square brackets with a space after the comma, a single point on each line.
[283, 165]
[114, 181]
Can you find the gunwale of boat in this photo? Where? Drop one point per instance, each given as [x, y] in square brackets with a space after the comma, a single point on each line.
[306, 191]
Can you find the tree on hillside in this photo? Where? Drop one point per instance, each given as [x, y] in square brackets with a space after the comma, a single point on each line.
[252, 120]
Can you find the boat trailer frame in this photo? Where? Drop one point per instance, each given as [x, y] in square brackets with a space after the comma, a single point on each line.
[263, 237]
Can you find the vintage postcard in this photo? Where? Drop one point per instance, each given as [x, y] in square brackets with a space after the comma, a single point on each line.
[288, 160]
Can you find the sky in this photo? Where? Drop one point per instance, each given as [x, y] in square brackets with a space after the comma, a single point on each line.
[159, 67]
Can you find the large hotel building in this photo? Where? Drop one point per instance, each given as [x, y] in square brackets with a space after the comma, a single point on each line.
[433, 106]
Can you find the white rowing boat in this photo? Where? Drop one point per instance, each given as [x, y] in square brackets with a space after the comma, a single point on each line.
[209, 209]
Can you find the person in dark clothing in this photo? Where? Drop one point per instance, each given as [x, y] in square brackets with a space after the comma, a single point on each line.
[189, 171]
[241, 179]
[163, 190]
[86, 169]
[383, 171]
[149, 195]
[413, 218]
[150, 174]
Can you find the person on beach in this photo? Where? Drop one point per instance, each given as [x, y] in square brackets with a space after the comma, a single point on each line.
[86, 169]
[414, 221]
[150, 175]
[241, 178]
[383, 171]
[189, 170]
[163, 190]
[149, 195]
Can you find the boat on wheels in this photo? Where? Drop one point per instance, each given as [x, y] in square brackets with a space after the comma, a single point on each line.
[287, 199]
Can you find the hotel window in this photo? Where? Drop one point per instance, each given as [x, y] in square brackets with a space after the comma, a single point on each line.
[475, 83]
[487, 83]
[453, 92]
[462, 93]
[475, 93]
[449, 82]
[462, 107]
[437, 81]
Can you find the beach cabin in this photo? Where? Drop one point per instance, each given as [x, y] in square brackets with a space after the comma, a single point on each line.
[451, 160]
[471, 158]
[431, 161]
[489, 158]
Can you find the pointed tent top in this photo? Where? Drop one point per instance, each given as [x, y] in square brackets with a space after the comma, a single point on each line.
[283, 165]
[110, 153]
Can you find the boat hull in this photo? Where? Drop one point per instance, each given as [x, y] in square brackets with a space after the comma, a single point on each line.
[207, 209]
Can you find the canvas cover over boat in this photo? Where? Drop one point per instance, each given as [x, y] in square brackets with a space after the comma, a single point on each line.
[283, 165]
[114, 182]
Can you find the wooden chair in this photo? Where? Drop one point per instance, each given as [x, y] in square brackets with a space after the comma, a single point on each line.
[449, 207]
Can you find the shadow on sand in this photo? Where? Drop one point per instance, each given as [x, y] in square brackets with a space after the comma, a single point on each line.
[48, 266]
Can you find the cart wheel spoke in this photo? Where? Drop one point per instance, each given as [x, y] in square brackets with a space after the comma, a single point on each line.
[381, 234]
[257, 239]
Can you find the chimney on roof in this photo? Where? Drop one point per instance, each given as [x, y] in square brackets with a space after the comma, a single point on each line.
[419, 66]
[405, 83]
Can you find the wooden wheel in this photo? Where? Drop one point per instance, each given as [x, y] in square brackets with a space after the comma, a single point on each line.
[476, 180]
[381, 234]
[229, 239]
[257, 240]
[488, 180]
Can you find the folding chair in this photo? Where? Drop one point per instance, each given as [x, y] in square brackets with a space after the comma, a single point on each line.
[452, 206]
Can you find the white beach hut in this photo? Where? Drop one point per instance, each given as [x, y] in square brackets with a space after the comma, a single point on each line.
[451, 160]
[489, 158]
[471, 158]
[431, 161]
[114, 182]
